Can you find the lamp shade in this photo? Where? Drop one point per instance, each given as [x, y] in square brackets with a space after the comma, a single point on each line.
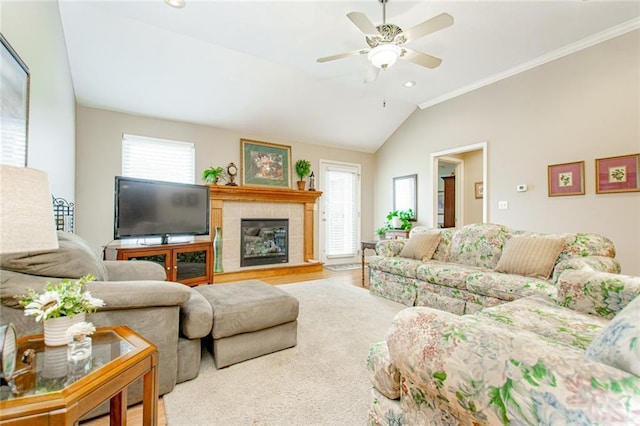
[26, 211]
[384, 55]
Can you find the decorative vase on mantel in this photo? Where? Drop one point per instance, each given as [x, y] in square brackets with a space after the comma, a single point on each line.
[217, 251]
[55, 329]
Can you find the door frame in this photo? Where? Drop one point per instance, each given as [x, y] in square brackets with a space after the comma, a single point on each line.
[435, 156]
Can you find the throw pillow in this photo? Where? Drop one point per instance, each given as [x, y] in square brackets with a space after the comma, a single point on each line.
[73, 259]
[420, 246]
[531, 257]
[618, 345]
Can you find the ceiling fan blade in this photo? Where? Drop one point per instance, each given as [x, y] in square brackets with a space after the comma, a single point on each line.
[362, 22]
[343, 55]
[429, 26]
[372, 74]
[420, 58]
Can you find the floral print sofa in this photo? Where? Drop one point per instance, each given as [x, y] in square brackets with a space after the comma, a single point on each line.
[526, 362]
[460, 277]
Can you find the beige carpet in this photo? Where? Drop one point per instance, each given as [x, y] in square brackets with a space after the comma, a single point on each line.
[321, 381]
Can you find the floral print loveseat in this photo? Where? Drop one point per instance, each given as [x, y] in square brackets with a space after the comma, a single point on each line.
[526, 362]
[461, 278]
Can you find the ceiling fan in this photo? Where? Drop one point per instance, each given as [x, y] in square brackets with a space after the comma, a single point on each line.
[386, 42]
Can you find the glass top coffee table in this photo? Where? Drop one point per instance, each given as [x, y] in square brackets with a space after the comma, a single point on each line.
[53, 393]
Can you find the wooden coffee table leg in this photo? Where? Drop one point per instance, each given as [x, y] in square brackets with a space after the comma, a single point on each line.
[118, 406]
[150, 394]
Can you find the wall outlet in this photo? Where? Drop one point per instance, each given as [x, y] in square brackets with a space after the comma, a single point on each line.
[521, 188]
[503, 205]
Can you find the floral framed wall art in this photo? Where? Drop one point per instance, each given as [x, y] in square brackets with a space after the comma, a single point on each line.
[618, 174]
[14, 92]
[479, 189]
[265, 164]
[566, 179]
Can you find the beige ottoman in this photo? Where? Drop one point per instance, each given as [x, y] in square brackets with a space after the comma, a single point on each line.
[250, 319]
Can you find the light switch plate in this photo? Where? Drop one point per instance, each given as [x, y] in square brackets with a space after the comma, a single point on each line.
[503, 205]
[521, 188]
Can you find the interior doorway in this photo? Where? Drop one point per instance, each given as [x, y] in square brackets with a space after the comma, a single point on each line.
[469, 165]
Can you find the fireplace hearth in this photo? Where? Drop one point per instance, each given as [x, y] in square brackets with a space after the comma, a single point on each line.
[264, 241]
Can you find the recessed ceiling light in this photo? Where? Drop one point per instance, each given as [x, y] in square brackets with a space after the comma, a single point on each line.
[179, 4]
[409, 84]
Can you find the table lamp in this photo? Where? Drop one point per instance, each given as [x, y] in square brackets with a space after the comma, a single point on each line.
[26, 212]
[26, 224]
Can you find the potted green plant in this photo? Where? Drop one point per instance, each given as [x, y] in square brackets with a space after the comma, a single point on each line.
[213, 174]
[400, 219]
[380, 232]
[303, 169]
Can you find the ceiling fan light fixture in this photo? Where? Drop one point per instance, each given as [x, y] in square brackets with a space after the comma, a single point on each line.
[178, 4]
[384, 55]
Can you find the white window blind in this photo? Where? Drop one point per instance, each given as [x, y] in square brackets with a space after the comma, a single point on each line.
[342, 212]
[158, 159]
[14, 142]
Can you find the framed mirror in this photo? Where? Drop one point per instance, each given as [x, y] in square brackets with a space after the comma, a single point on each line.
[405, 194]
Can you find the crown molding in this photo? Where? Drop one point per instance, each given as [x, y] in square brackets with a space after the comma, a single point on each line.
[597, 38]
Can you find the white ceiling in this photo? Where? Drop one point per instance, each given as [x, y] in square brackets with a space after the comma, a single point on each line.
[251, 66]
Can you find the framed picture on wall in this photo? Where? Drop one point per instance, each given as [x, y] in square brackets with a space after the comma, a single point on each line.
[618, 174]
[566, 179]
[14, 92]
[479, 189]
[265, 164]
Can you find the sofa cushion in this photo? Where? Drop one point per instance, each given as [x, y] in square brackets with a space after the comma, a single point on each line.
[73, 259]
[395, 265]
[420, 246]
[508, 286]
[448, 274]
[548, 320]
[618, 345]
[479, 244]
[442, 249]
[531, 257]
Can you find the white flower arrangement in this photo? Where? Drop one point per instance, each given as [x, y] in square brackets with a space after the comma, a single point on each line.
[81, 329]
[64, 299]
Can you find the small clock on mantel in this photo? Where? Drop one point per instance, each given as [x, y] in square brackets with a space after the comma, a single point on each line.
[232, 172]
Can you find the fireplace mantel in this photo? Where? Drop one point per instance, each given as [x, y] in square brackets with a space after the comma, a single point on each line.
[219, 194]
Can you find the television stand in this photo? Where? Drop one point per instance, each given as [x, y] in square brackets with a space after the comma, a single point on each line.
[188, 263]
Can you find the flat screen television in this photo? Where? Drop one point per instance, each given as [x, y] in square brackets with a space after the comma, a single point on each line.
[151, 208]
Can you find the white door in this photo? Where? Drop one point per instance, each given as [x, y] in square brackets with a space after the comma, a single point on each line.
[339, 212]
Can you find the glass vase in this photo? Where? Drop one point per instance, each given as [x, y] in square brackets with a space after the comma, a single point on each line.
[79, 355]
[217, 250]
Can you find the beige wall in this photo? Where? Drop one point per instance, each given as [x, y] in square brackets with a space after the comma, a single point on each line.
[34, 30]
[99, 140]
[580, 107]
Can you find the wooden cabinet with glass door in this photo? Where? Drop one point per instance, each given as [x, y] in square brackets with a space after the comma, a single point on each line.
[188, 263]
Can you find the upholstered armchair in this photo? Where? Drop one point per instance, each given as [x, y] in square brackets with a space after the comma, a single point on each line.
[171, 315]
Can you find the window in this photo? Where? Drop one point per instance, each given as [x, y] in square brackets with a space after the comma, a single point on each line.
[158, 159]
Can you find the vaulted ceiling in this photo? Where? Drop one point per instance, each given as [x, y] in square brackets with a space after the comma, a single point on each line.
[251, 65]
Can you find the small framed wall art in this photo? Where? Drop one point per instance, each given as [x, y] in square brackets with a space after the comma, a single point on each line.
[265, 164]
[479, 189]
[566, 179]
[618, 174]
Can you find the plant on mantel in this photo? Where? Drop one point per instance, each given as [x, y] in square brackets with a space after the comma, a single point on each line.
[303, 169]
[213, 175]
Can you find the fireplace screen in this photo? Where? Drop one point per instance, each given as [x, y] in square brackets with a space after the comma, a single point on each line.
[264, 241]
